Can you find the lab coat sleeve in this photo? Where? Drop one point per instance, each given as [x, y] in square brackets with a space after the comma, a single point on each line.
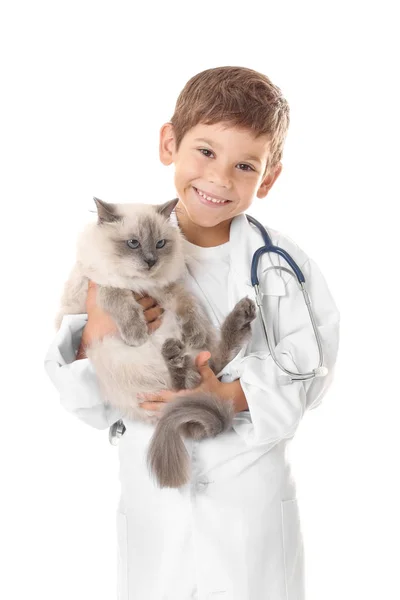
[76, 380]
[275, 410]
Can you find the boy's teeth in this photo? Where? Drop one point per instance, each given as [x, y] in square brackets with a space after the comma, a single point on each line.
[211, 199]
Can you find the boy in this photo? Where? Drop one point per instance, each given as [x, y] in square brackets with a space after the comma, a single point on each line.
[233, 532]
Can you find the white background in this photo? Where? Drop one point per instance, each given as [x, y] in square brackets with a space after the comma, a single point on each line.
[86, 87]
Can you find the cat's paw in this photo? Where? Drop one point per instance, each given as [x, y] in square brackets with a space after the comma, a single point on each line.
[244, 312]
[173, 351]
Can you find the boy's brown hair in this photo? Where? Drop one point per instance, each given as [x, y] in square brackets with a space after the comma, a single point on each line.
[239, 97]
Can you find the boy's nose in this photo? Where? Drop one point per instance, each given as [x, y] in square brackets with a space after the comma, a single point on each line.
[219, 178]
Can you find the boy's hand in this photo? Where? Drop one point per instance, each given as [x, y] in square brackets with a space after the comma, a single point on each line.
[100, 323]
[209, 383]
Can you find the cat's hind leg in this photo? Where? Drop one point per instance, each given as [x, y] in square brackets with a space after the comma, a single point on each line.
[182, 370]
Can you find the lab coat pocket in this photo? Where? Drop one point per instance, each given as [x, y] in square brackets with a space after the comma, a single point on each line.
[122, 557]
[293, 550]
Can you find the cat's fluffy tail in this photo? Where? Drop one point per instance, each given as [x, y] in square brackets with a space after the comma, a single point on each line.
[197, 417]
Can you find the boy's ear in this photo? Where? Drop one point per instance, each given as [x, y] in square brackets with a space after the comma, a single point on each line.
[269, 181]
[167, 144]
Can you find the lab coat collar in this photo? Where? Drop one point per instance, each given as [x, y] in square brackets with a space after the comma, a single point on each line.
[244, 242]
[245, 239]
[242, 246]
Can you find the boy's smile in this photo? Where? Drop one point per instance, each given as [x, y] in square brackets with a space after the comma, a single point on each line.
[218, 172]
[210, 200]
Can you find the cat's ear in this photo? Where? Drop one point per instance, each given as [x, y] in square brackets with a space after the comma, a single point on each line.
[166, 209]
[106, 212]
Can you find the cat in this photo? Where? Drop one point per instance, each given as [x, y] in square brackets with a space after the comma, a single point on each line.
[136, 248]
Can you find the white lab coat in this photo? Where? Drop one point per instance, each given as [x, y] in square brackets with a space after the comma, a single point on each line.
[233, 532]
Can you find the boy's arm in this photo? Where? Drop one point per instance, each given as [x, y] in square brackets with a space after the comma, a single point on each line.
[73, 374]
[235, 391]
[275, 410]
[76, 380]
[82, 346]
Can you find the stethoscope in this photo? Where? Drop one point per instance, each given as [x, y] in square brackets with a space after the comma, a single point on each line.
[118, 428]
[290, 376]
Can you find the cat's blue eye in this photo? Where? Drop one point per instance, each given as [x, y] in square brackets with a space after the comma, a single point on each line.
[160, 244]
[133, 244]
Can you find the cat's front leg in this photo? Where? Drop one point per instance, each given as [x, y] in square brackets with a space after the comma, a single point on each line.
[196, 334]
[195, 326]
[126, 312]
[236, 329]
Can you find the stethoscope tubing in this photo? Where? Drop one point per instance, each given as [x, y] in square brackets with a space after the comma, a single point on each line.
[320, 370]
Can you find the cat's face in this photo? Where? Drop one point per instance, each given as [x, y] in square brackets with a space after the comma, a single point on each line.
[134, 241]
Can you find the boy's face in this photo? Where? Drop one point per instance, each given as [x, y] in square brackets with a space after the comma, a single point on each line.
[221, 162]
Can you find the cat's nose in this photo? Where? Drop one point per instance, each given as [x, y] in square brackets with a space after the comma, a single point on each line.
[150, 261]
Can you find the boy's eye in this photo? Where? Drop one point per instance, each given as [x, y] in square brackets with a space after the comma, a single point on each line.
[202, 150]
[133, 244]
[247, 167]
